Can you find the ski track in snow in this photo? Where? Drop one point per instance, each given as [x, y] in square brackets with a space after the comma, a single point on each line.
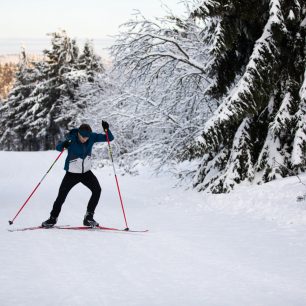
[244, 248]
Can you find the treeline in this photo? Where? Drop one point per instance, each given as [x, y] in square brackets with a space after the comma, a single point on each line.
[223, 86]
[43, 103]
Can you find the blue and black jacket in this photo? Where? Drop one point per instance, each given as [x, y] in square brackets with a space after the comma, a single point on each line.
[79, 154]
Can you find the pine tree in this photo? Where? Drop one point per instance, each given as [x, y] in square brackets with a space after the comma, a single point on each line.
[90, 62]
[14, 109]
[259, 64]
[41, 109]
[60, 78]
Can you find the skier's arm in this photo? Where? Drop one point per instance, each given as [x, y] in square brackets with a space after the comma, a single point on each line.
[64, 144]
[102, 137]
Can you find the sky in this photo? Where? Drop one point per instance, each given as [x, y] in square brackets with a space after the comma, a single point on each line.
[28, 22]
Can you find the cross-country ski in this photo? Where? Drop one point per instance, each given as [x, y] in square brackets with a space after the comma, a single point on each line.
[80, 228]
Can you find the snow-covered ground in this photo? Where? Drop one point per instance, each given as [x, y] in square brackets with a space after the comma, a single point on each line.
[243, 248]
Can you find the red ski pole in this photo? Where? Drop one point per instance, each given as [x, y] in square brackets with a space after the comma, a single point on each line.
[25, 203]
[117, 183]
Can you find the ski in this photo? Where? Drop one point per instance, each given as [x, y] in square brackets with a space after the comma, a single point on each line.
[34, 228]
[80, 228]
[101, 228]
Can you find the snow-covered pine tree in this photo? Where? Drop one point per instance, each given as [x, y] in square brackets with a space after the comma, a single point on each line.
[88, 94]
[68, 73]
[55, 112]
[14, 109]
[259, 129]
[42, 115]
[90, 61]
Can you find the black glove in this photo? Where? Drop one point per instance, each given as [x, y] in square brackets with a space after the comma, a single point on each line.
[105, 125]
[66, 143]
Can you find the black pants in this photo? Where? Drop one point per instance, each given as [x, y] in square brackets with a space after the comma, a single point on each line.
[70, 180]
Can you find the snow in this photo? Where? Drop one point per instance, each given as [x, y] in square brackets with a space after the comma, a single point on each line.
[243, 248]
[291, 15]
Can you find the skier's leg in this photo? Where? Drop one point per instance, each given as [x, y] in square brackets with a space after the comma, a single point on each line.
[69, 181]
[91, 182]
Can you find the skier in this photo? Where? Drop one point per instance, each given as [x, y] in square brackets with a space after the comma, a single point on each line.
[79, 143]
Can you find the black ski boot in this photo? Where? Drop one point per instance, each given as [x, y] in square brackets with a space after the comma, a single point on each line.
[50, 222]
[89, 220]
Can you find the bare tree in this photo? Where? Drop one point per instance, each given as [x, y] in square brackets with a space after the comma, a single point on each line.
[163, 69]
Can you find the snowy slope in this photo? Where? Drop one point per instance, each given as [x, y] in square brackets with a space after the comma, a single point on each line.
[244, 248]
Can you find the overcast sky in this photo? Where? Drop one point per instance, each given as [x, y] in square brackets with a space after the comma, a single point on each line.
[80, 18]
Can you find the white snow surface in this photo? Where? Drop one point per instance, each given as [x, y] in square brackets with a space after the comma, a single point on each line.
[243, 248]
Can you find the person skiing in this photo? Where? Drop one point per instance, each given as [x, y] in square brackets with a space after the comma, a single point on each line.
[79, 143]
